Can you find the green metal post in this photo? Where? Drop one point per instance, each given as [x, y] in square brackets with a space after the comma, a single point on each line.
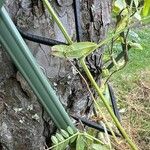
[12, 41]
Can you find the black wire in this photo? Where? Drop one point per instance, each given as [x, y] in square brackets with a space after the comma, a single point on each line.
[114, 103]
[93, 125]
[39, 39]
[77, 20]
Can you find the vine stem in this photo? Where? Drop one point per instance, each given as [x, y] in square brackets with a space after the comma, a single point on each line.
[60, 25]
[96, 104]
[89, 75]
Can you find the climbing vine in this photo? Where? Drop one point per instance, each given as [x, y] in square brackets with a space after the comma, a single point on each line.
[126, 14]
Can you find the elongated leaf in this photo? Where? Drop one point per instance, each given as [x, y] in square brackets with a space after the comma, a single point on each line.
[76, 50]
[119, 5]
[134, 36]
[107, 93]
[73, 139]
[106, 57]
[136, 45]
[80, 144]
[54, 140]
[122, 24]
[62, 146]
[105, 73]
[99, 147]
[137, 16]
[136, 2]
[60, 137]
[146, 8]
[64, 133]
[70, 130]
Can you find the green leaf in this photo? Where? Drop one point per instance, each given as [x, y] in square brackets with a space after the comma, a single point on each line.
[119, 39]
[119, 5]
[122, 24]
[60, 137]
[54, 139]
[106, 93]
[80, 144]
[106, 57]
[136, 2]
[137, 15]
[99, 147]
[105, 73]
[136, 45]
[64, 133]
[73, 139]
[146, 8]
[121, 63]
[125, 12]
[146, 20]
[70, 130]
[63, 145]
[134, 36]
[76, 50]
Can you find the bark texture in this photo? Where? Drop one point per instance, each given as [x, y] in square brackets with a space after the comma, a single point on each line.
[23, 122]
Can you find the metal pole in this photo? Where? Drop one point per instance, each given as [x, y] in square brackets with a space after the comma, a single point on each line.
[12, 41]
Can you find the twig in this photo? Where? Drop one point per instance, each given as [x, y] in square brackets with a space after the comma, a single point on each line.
[60, 25]
[105, 120]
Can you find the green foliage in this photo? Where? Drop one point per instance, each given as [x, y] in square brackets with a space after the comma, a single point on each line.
[64, 133]
[128, 81]
[139, 59]
[80, 144]
[135, 45]
[70, 130]
[146, 8]
[119, 5]
[54, 140]
[136, 2]
[75, 50]
[105, 73]
[99, 147]
[83, 141]
[63, 138]
[125, 14]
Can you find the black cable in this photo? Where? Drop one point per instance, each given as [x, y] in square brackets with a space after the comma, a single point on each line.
[39, 39]
[114, 103]
[77, 20]
[93, 125]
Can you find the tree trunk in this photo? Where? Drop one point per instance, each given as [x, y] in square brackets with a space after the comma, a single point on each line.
[24, 125]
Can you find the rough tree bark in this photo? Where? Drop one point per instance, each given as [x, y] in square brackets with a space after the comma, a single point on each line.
[23, 122]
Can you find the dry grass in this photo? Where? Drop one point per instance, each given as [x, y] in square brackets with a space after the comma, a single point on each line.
[136, 102]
